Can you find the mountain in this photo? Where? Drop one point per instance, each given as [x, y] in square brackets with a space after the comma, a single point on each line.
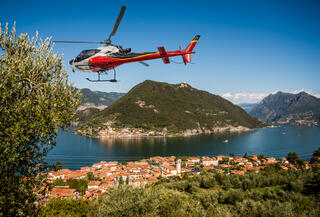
[247, 106]
[301, 109]
[94, 101]
[98, 99]
[156, 108]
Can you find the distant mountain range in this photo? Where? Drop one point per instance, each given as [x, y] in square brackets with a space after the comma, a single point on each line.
[247, 106]
[287, 108]
[98, 99]
[162, 108]
[93, 102]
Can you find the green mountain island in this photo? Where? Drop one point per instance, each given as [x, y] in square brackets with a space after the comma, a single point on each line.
[156, 108]
[287, 108]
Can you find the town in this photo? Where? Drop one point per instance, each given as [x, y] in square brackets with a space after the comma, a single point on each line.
[103, 175]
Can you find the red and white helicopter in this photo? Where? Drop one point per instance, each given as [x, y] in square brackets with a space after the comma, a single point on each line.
[110, 56]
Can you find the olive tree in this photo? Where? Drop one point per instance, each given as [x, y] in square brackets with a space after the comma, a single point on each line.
[35, 99]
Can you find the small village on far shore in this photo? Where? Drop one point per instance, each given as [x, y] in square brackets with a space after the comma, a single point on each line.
[128, 132]
[104, 175]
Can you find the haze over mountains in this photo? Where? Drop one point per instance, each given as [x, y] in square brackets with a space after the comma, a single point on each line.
[287, 108]
[247, 106]
[93, 102]
[162, 108]
[98, 99]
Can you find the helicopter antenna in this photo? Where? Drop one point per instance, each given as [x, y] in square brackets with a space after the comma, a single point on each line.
[115, 27]
[107, 41]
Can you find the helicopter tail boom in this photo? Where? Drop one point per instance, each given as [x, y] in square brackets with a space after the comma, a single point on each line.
[187, 57]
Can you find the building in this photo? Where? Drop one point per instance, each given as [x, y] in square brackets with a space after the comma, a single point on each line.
[209, 162]
[178, 166]
[94, 184]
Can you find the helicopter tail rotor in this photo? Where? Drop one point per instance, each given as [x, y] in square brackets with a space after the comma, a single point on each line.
[187, 57]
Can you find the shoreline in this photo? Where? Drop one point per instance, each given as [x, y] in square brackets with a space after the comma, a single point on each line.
[186, 133]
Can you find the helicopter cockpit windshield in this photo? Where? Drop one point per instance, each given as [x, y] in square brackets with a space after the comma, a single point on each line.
[86, 54]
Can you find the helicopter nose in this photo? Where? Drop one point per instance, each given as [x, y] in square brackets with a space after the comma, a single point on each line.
[71, 62]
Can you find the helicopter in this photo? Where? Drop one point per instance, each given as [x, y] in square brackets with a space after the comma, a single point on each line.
[109, 56]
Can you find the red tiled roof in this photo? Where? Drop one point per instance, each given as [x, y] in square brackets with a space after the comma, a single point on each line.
[170, 168]
[62, 192]
[269, 163]
[208, 167]
[94, 183]
[239, 172]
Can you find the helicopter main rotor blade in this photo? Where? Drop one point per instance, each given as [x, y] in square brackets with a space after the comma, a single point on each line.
[144, 63]
[115, 27]
[81, 42]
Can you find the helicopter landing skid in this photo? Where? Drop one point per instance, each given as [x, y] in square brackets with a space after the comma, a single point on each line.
[99, 80]
[110, 80]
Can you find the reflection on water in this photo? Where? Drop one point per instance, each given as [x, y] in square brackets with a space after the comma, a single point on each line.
[75, 151]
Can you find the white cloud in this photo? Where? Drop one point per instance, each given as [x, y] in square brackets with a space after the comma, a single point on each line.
[244, 97]
[257, 97]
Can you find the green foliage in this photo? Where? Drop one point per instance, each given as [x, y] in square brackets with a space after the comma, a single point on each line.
[35, 99]
[80, 185]
[246, 155]
[57, 166]
[57, 182]
[246, 184]
[172, 107]
[121, 182]
[270, 193]
[292, 157]
[147, 202]
[85, 115]
[65, 207]
[261, 156]
[207, 181]
[296, 185]
[185, 176]
[90, 176]
[316, 156]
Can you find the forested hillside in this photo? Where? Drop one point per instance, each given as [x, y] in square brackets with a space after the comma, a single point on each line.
[170, 108]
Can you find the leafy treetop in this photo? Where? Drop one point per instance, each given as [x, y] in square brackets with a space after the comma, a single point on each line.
[35, 99]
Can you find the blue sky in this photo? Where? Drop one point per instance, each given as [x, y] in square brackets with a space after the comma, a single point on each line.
[246, 47]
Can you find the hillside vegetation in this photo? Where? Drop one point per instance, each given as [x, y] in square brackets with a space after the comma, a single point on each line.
[272, 192]
[171, 108]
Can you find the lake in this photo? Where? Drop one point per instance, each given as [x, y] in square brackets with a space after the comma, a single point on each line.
[75, 151]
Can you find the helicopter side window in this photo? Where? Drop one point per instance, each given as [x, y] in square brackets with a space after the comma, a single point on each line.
[86, 54]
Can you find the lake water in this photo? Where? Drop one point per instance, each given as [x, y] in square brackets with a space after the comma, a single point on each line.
[75, 151]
